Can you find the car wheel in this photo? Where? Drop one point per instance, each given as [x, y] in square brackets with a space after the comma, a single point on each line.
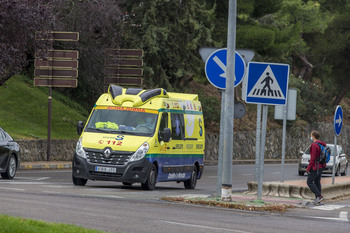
[337, 171]
[79, 181]
[345, 171]
[150, 183]
[11, 169]
[301, 173]
[191, 183]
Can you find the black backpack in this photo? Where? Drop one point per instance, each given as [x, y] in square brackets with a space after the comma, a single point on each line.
[325, 154]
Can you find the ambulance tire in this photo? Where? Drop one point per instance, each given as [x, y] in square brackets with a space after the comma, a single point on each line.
[191, 183]
[150, 183]
[79, 181]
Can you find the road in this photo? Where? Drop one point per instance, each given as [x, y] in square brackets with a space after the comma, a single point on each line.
[51, 196]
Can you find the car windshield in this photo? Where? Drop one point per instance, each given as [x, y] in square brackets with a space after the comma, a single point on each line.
[133, 121]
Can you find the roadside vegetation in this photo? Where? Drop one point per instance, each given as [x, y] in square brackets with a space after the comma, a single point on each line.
[21, 225]
[24, 111]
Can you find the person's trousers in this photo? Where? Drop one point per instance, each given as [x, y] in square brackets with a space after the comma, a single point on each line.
[314, 181]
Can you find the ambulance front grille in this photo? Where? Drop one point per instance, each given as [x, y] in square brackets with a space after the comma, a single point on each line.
[116, 158]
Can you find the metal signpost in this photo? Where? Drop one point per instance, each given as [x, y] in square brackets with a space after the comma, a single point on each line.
[215, 70]
[55, 68]
[267, 84]
[123, 67]
[287, 112]
[338, 123]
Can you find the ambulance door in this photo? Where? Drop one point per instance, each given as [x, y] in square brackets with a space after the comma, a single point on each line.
[177, 147]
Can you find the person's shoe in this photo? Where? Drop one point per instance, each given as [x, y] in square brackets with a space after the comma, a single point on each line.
[319, 199]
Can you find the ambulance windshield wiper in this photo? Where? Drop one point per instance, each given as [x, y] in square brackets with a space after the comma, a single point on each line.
[102, 130]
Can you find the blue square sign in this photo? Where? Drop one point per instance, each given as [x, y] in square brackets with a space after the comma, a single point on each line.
[267, 83]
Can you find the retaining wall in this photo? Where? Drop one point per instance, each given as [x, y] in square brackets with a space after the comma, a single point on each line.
[244, 144]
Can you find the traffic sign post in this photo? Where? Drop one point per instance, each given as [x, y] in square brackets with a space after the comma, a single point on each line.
[338, 123]
[55, 68]
[123, 67]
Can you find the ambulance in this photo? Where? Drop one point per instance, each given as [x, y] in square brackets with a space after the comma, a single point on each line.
[141, 136]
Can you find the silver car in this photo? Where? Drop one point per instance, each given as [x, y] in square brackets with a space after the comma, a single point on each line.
[341, 162]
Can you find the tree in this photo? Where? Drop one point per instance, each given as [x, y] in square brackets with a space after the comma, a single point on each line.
[98, 24]
[19, 20]
[170, 33]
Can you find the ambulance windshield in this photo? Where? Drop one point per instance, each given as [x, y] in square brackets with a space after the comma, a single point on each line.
[132, 121]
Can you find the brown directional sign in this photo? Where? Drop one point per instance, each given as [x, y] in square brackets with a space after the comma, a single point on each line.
[47, 82]
[123, 71]
[56, 63]
[125, 52]
[61, 54]
[47, 72]
[124, 62]
[123, 80]
[57, 36]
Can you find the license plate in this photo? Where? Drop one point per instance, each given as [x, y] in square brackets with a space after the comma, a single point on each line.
[106, 169]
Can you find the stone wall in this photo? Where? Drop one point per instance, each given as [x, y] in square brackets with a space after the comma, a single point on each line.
[296, 140]
[244, 144]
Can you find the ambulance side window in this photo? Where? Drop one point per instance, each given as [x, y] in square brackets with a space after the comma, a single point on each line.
[164, 121]
[177, 126]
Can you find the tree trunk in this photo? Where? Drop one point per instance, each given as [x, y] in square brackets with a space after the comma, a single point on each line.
[306, 72]
[342, 93]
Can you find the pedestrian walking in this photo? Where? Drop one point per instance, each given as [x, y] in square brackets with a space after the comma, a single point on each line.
[314, 170]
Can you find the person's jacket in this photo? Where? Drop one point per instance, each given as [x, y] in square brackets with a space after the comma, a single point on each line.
[315, 151]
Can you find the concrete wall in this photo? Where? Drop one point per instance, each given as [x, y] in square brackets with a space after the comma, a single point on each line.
[244, 144]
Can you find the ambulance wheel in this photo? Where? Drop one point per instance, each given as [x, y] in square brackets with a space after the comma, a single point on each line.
[79, 181]
[191, 183]
[150, 183]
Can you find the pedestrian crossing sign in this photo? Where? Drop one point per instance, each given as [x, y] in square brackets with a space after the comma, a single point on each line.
[267, 83]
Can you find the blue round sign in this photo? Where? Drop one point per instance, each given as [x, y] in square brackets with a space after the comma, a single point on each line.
[338, 120]
[215, 68]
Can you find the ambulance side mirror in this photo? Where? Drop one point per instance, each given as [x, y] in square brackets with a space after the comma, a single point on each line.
[80, 127]
[165, 135]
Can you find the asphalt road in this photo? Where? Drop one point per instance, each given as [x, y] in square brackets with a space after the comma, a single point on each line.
[50, 195]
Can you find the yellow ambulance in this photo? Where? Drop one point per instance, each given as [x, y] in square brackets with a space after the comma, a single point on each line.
[141, 136]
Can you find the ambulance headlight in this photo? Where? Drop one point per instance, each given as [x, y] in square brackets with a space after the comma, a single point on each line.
[79, 149]
[140, 153]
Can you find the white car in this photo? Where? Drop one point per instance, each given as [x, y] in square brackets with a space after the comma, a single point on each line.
[341, 162]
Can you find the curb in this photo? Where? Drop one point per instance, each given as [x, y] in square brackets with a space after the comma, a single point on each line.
[45, 166]
[295, 191]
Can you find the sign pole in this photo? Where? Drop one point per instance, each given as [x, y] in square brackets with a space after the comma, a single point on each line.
[226, 187]
[262, 151]
[49, 125]
[221, 144]
[334, 158]
[257, 146]
[338, 123]
[284, 139]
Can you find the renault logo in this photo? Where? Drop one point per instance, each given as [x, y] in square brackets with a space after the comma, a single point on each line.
[107, 152]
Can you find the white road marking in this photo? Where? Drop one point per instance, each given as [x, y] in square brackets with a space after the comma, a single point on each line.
[200, 226]
[15, 189]
[275, 173]
[247, 174]
[343, 216]
[328, 207]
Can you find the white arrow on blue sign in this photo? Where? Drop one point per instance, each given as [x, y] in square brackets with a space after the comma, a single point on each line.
[338, 120]
[215, 68]
[267, 83]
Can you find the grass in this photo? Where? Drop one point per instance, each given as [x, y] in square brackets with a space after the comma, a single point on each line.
[24, 111]
[20, 225]
[245, 205]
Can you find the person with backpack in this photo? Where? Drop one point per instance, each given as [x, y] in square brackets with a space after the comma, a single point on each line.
[315, 168]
